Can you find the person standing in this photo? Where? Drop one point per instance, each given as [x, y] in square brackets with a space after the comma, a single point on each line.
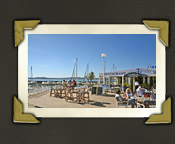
[74, 83]
[139, 91]
[69, 83]
[63, 83]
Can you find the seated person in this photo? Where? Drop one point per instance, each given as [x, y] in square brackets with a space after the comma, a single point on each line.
[119, 97]
[128, 95]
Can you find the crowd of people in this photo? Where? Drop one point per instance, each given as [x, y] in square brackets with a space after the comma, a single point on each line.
[69, 83]
[129, 97]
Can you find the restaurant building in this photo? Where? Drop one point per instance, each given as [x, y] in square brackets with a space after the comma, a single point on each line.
[141, 75]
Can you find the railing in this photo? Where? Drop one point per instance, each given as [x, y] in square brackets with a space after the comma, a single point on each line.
[38, 91]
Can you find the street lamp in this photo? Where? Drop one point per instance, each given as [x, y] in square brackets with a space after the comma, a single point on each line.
[103, 55]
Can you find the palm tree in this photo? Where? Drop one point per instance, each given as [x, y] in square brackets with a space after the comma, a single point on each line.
[91, 76]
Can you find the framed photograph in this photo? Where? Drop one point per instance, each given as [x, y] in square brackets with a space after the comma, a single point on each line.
[87, 71]
[91, 70]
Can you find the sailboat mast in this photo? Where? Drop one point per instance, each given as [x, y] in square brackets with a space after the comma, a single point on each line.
[76, 67]
[73, 73]
[31, 75]
[88, 72]
[113, 68]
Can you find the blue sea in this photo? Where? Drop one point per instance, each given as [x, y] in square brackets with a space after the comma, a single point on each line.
[58, 79]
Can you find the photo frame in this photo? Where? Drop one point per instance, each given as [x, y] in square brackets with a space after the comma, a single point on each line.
[165, 117]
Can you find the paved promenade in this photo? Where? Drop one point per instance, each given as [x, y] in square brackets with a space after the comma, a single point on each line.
[45, 101]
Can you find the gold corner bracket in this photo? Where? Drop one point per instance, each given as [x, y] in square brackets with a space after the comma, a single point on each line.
[19, 116]
[163, 26]
[19, 27]
[164, 117]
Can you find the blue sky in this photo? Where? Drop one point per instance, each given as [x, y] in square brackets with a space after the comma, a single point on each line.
[54, 55]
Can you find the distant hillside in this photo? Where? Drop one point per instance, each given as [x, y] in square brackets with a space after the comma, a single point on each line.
[56, 78]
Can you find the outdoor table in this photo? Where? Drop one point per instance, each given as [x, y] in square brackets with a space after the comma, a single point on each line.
[68, 95]
[59, 92]
[133, 97]
[80, 96]
[146, 100]
[76, 89]
[56, 92]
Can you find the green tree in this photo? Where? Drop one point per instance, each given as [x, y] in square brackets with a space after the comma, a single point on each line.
[91, 76]
[126, 84]
[145, 85]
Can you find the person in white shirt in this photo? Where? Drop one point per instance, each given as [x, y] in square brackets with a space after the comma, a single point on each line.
[139, 91]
